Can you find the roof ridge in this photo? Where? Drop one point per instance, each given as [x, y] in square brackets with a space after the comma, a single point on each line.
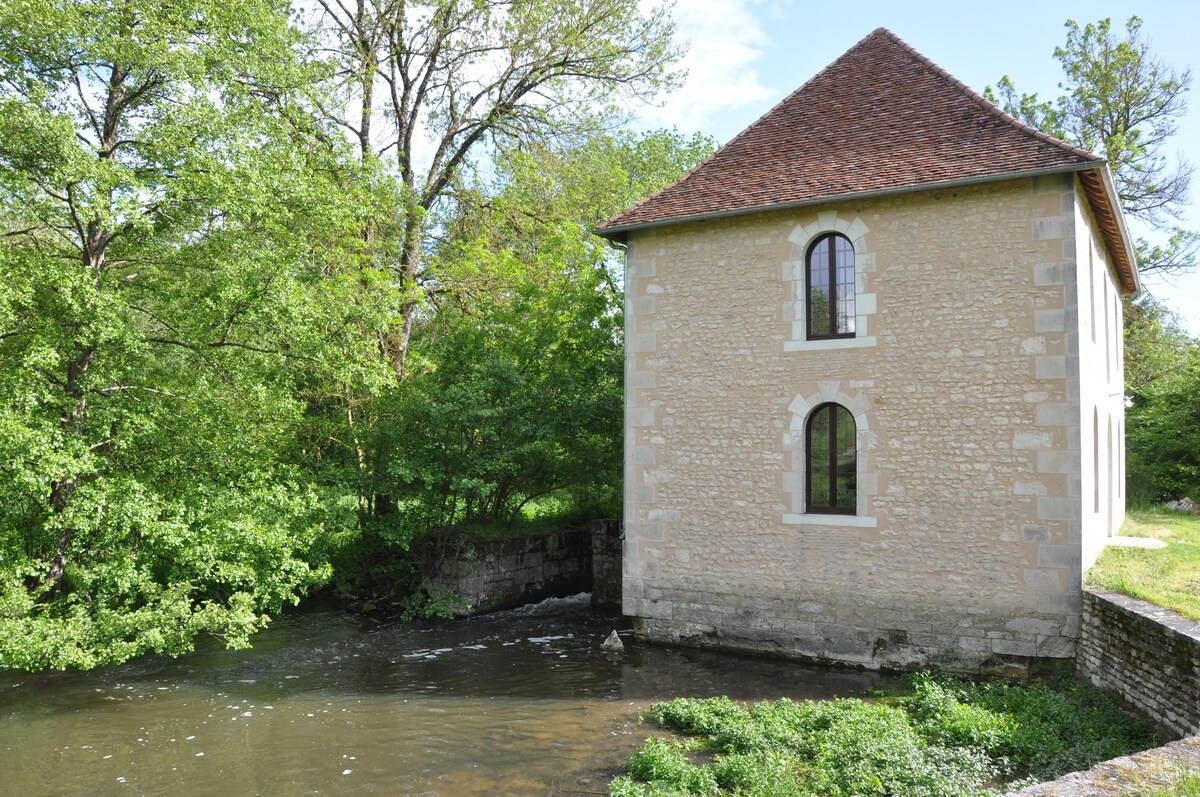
[983, 101]
[762, 117]
[938, 130]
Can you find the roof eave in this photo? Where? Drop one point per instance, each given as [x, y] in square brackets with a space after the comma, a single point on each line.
[620, 232]
[1106, 206]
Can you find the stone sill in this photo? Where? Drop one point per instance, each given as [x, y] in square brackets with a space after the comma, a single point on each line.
[844, 521]
[832, 343]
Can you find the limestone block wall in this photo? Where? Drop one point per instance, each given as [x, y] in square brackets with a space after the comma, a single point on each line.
[1148, 655]
[964, 384]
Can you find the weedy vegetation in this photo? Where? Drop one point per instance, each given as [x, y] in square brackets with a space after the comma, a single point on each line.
[946, 737]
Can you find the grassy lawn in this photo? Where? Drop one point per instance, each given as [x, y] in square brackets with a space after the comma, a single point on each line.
[1168, 577]
[945, 737]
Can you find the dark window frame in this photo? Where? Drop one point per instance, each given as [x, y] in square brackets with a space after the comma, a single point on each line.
[829, 268]
[831, 466]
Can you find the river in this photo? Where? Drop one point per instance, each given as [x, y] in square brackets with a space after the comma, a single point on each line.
[329, 703]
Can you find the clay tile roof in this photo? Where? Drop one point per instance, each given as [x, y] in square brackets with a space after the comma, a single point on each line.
[881, 118]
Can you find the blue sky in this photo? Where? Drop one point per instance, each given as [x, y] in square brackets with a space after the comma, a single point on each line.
[746, 55]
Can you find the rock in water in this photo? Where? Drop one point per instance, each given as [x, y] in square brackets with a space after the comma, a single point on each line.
[613, 644]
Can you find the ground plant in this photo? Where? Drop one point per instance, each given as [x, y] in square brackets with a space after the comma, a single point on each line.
[1168, 577]
[943, 737]
[1183, 784]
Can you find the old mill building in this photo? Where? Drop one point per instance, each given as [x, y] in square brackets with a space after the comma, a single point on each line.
[874, 408]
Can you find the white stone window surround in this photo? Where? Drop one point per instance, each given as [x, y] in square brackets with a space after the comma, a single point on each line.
[793, 442]
[795, 272]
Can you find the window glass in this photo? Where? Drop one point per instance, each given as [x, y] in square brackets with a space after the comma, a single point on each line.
[830, 286]
[832, 464]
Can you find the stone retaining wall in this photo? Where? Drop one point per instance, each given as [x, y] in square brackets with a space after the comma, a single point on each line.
[502, 574]
[491, 575]
[1148, 655]
[607, 550]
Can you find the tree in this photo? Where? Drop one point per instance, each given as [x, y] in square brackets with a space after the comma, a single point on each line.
[1162, 380]
[512, 406]
[1125, 103]
[172, 270]
[426, 83]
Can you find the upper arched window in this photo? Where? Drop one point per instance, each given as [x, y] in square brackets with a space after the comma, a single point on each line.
[832, 468]
[830, 286]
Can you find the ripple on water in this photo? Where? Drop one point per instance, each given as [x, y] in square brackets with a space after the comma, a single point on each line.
[520, 702]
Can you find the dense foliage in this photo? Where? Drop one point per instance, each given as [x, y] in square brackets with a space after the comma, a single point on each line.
[207, 290]
[948, 738]
[1162, 381]
[171, 270]
[512, 406]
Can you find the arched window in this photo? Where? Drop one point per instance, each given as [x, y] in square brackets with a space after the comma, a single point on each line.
[830, 286]
[831, 475]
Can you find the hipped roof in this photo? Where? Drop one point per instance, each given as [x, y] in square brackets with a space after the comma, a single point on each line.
[880, 119]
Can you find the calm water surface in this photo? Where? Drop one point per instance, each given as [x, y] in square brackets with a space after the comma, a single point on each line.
[519, 703]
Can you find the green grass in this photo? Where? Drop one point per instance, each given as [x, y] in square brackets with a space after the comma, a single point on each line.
[1185, 784]
[945, 738]
[1169, 577]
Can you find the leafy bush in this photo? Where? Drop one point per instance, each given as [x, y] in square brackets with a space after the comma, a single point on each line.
[945, 738]
[664, 763]
[1038, 730]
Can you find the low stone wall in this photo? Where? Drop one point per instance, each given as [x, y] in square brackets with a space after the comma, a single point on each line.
[491, 575]
[501, 574]
[607, 550]
[1148, 655]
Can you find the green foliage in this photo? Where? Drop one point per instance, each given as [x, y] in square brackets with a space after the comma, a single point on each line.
[510, 413]
[947, 737]
[1162, 377]
[175, 267]
[1038, 730]
[664, 764]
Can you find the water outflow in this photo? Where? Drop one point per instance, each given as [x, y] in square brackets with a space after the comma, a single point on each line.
[517, 703]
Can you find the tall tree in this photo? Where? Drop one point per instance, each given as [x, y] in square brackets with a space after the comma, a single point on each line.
[170, 272]
[514, 393]
[1124, 102]
[426, 83]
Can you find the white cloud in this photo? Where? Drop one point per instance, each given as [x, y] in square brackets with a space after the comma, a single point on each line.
[726, 39]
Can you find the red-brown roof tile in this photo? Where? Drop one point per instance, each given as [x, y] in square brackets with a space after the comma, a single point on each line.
[880, 118]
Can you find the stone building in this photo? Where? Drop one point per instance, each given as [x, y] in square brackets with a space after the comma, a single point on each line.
[874, 407]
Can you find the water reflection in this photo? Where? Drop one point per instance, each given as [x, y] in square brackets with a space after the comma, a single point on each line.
[326, 703]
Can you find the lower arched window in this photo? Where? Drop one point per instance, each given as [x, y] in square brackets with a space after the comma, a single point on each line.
[831, 443]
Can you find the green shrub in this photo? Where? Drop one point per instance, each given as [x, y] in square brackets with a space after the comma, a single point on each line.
[945, 738]
[1038, 730]
[664, 763]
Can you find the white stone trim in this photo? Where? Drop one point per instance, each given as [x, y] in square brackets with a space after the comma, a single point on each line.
[843, 521]
[825, 345]
[794, 310]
